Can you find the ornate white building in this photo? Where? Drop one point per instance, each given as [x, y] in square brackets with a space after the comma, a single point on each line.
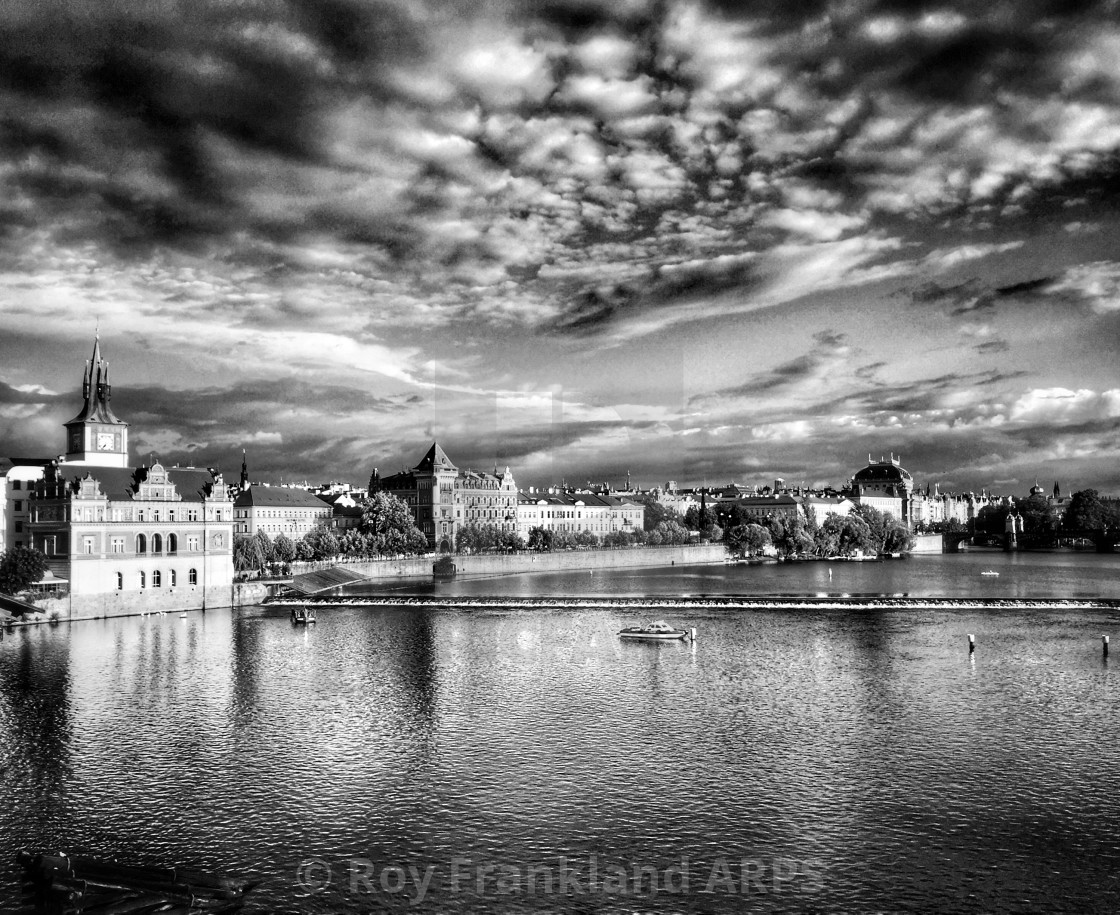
[127, 537]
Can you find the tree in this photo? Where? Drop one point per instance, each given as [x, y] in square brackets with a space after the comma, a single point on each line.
[540, 539]
[747, 540]
[877, 523]
[510, 541]
[266, 548]
[20, 567]
[247, 555]
[473, 537]
[855, 535]
[586, 539]
[305, 552]
[388, 527]
[655, 512]
[1039, 520]
[897, 538]
[322, 543]
[1086, 512]
[671, 532]
[699, 519]
[789, 534]
[283, 549]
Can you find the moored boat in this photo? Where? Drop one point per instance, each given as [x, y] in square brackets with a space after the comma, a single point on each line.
[991, 573]
[654, 632]
[303, 616]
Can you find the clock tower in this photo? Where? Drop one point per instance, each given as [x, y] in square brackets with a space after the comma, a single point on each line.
[95, 436]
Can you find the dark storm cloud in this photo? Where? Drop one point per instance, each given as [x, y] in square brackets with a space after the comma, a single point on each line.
[992, 346]
[126, 110]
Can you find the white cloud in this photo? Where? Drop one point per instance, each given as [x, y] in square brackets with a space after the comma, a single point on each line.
[1062, 407]
[1098, 284]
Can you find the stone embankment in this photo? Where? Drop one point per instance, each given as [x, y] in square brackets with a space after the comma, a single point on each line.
[488, 565]
[135, 603]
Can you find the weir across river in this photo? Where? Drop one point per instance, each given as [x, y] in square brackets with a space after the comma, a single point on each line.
[823, 601]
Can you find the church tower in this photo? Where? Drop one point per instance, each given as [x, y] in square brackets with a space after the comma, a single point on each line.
[95, 436]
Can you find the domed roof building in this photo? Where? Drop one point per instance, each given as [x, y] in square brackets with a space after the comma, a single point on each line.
[885, 485]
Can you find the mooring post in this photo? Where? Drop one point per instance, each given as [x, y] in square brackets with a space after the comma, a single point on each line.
[1104, 645]
[692, 636]
[971, 643]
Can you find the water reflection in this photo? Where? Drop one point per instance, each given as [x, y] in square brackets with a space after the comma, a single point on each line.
[866, 739]
[36, 717]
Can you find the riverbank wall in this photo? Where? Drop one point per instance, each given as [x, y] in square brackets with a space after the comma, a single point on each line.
[928, 543]
[69, 607]
[530, 563]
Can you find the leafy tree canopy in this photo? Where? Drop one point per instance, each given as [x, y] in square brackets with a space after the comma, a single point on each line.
[20, 567]
[387, 526]
[247, 554]
[655, 512]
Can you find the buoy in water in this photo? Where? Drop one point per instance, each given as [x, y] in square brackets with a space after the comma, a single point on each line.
[692, 634]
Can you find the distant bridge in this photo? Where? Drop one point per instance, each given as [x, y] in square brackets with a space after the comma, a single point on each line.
[1103, 540]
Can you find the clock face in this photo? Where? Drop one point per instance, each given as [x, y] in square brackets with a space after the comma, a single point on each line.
[105, 441]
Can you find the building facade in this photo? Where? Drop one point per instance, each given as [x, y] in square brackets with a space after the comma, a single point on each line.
[121, 529]
[444, 498]
[279, 510]
[19, 476]
[885, 486]
[110, 529]
[575, 512]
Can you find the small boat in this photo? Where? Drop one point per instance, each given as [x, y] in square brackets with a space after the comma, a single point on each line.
[654, 632]
[303, 616]
[991, 573]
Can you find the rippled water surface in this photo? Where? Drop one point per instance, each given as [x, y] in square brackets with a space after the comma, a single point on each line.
[789, 760]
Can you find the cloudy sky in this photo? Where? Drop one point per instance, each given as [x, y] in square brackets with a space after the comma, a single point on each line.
[701, 241]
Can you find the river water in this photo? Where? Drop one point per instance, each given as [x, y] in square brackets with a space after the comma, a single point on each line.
[513, 760]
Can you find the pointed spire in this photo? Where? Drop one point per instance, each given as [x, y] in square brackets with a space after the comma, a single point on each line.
[96, 389]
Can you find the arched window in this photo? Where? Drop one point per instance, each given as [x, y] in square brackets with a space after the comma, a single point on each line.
[172, 544]
[141, 545]
[157, 543]
[173, 578]
[192, 577]
[157, 579]
[143, 580]
[120, 581]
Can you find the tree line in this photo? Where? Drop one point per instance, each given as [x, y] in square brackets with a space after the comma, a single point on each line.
[865, 530]
[1087, 513]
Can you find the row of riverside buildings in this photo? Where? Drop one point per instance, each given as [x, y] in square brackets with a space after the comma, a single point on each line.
[121, 538]
[130, 536]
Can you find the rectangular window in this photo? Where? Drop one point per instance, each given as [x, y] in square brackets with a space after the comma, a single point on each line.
[19, 505]
[17, 484]
[87, 545]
